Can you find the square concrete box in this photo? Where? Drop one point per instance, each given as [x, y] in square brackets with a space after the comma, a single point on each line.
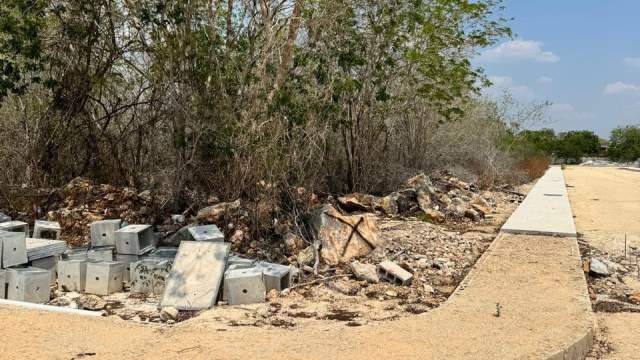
[104, 278]
[276, 276]
[148, 276]
[103, 232]
[244, 286]
[206, 233]
[127, 260]
[28, 284]
[3, 284]
[46, 230]
[72, 275]
[105, 253]
[49, 263]
[13, 248]
[15, 226]
[135, 239]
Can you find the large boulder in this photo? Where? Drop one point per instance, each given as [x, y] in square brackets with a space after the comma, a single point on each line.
[342, 237]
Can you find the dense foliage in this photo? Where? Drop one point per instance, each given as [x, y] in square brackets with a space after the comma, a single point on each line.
[624, 144]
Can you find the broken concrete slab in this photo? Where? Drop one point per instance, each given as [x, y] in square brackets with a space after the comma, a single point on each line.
[14, 226]
[13, 248]
[104, 278]
[46, 230]
[42, 248]
[135, 239]
[206, 233]
[49, 263]
[392, 272]
[244, 286]
[28, 284]
[103, 232]
[72, 275]
[148, 276]
[196, 276]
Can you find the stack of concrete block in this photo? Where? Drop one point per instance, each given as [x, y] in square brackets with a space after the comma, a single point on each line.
[104, 278]
[28, 284]
[15, 226]
[72, 275]
[46, 230]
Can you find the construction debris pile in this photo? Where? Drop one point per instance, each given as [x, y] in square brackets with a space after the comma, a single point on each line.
[614, 280]
[355, 258]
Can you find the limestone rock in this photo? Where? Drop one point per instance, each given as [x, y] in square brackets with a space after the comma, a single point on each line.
[215, 213]
[306, 257]
[91, 302]
[597, 267]
[434, 216]
[365, 272]
[342, 237]
[169, 313]
[357, 202]
[388, 204]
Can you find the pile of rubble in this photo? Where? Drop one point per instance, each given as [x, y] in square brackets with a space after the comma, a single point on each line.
[614, 280]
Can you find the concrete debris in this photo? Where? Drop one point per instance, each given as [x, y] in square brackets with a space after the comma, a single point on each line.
[598, 267]
[244, 286]
[393, 273]
[169, 313]
[366, 272]
[344, 237]
[46, 230]
[91, 302]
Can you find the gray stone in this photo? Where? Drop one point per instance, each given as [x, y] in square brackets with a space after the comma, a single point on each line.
[103, 232]
[148, 276]
[104, 278]
[49, 263]
[206, 233]
[169, 313]
[13, 246]
[244, 286]
[365, 272]
[275, 276]
[28, 284]
[46, 230]
[392, 272]
[15, 226]
[72, 275]
[597, 267]
[135, 239]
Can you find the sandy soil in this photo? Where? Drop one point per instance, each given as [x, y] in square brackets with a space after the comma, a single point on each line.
[606, 205]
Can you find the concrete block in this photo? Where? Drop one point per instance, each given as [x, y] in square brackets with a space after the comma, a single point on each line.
[28, 284]
[196, 276]
[46, 230]
[276, 276]
[104, 278]
[127, 260]
[14, 226]
[392, 272]
[237, 262]
[49, 263]
[3, 282]
[105, 253]
[4, 218]
[149, 275]
[168, 253]
[13, 248]
[135, 239]
[75, 254]
[244, 286]
[206, 233]
[103, 232]
[72, 275]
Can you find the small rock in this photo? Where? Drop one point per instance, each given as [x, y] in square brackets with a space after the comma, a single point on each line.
[306, 256]
[429, 289]
[169, 313]
[434, 216]
[597, 267]
[391, 293]
[91, 302]
[365, 272]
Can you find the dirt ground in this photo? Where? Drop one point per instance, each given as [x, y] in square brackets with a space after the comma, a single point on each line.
[606, 205]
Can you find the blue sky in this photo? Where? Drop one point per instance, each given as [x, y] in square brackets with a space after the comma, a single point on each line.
[581, 55]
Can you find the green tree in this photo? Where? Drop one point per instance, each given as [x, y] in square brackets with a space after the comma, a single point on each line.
[538, 142]
[624, 144]
[573, 145]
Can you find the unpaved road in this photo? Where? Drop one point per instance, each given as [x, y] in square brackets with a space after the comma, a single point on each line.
[606, 205]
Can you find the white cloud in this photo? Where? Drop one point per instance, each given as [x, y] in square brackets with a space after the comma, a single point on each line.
[620, 87]
[632, 61]
[545, 80]
[506, 83]
[568, 113]
[518, 50]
